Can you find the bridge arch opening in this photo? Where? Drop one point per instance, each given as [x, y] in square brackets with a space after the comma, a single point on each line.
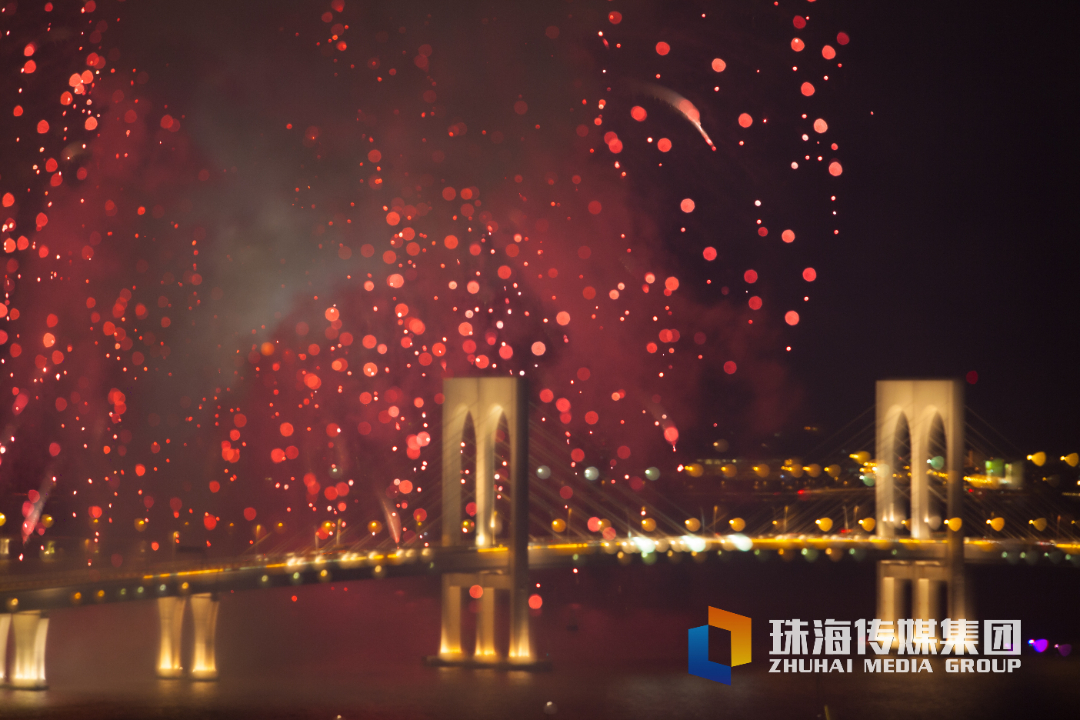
[899, 466]
[501, 478]
[936, 472]
[467, 477]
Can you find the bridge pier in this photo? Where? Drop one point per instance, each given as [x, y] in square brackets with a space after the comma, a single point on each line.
[485, 624]
[484, 652]
[5, 626]
[890, 595]
[450, 643]
[30, 631]
[171, 622]
[204, 611]
[926, 599]
[922, 581]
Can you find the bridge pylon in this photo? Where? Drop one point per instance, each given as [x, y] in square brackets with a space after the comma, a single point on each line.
[486, 402]
[914, 412]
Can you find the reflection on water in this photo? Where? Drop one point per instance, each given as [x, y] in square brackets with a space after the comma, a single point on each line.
[354, 651]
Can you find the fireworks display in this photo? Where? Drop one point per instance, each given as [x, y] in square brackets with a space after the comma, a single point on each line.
[245, 244]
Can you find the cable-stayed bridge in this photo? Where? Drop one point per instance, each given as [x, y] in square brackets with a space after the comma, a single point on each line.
[914, 513]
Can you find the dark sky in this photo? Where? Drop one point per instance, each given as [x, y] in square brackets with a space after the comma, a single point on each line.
[959, 244]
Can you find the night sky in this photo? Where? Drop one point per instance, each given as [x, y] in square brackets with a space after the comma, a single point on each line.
[960, 245]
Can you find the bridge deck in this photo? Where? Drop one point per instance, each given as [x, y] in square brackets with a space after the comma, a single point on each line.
[51, 588]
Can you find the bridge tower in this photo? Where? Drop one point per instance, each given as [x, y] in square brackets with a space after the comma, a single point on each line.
[486, 401]
[915, 411]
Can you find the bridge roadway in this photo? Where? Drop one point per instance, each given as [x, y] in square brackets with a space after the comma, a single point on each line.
[57, 588]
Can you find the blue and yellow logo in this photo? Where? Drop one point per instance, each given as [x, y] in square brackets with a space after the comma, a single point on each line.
[698, 654]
